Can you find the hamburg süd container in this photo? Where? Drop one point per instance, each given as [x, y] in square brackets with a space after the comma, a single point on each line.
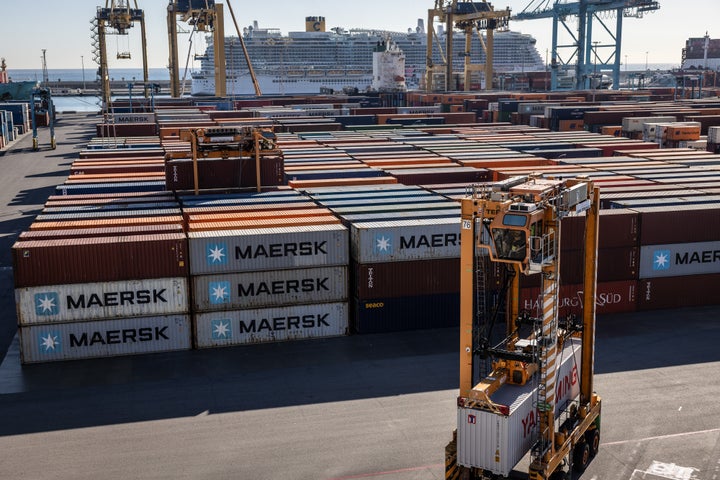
[498, 441]
[294, 322]
[123, 336]
[611, 297]
[267, 248]
[422, 239]
[102, 300]
[269, 288]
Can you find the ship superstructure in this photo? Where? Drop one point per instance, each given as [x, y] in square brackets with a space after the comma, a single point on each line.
[315, 59]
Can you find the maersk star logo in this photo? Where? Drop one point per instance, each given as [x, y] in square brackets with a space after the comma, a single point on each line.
[216, 254]
[383, 243]
[221, 329]
[49, 342]
[47, 303]
[219, 292]
[661, 260]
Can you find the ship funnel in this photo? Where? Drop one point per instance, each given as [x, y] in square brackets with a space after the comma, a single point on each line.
[314, 24]
[255, 25]
[420, 26]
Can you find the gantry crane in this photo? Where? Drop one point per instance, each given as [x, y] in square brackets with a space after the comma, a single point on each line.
[118, 16]
[583, 48]
[530, 400]
[203, 15]
[467, 16]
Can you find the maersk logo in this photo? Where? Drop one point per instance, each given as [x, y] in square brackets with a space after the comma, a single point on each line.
[221, 329]
[47, 303]
[49, 342]
[219, 292]
[383, 243]
[216, 254]
[661, 260]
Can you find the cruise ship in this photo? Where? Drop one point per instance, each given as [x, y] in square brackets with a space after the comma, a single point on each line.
[317, 60]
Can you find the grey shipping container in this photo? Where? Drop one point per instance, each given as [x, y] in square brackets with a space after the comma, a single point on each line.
[267, 249]
[296, 322]
[482, 433]
[269, 288]
[679, 259]
[107, 300]
[405, 240]
[126, 336]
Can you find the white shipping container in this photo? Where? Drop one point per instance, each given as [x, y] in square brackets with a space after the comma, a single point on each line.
[635, 124]
[107, 300]
[713, 135]
[679, 259]
[267, 249]
[237, 291]
[421, 239]
[296, 322]
[497, 442]
[124, 336]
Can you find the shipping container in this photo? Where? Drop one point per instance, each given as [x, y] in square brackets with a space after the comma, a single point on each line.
[372, 242]
[679, 259]
[107, 300]
[482, 434]
[692, 223]
[269, 288]
[678, 292]
[611, 297]
[123, 336]
[295, 322]
[413, 312]
[99, 259]
[399, 279]
[268, 249]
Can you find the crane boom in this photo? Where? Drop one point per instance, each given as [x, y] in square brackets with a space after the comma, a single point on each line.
[583, 45]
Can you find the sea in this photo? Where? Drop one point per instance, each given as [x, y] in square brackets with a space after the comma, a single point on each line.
[92, 104]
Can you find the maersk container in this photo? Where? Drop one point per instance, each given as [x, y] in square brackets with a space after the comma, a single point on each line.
[269, 288]
[295, 322]
[250, 250]
[496, 442]
[390, 241]
[90, 301]
[123, 336]
[679, 259]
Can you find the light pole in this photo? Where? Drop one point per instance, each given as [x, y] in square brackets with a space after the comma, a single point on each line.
[646, 61]
[625, 63]
[82, 63]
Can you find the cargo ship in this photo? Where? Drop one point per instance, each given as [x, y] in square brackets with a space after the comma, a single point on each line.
[701, 53]
[13, 90]
[315, 59]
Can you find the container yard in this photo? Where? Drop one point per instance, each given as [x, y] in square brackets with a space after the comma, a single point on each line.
[448, 271]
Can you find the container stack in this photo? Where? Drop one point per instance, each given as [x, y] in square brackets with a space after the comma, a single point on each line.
[265, 267]
[404, 255]
[99, 276]
[713, 140]
[679, 256]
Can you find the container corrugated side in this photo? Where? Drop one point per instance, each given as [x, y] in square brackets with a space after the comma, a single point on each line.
[296, 322]
[611, 297]
[412, 312]
[420, 239]
[269, 288]
[677, 292]
[679, 259]
[124, 336]
[89, 301]
[481, 433]
[268, 249]
[397, 279]
[99, 259]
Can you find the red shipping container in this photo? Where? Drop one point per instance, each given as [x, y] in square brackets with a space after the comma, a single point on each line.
[612, 297]
[677, 292]
[411, 278]
[99, 259]
[660, 225]
[224, 173]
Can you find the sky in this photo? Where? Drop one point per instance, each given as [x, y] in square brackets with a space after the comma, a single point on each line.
[63, 28]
